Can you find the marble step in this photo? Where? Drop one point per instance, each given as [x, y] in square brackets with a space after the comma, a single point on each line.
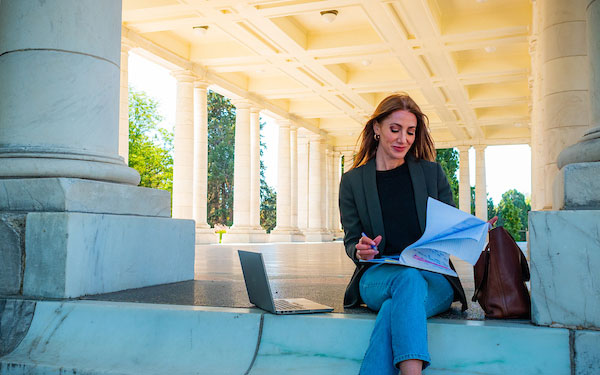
[94, 337]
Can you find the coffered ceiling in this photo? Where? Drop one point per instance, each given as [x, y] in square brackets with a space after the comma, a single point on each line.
[465, 62]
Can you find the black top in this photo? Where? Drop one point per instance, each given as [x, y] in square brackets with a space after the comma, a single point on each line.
[397, 200]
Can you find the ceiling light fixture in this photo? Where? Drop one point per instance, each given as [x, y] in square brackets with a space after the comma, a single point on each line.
[200, 30]
[366, 62]
[329, 15]
[490, 49]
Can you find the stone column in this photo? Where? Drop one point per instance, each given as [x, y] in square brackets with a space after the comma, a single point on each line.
[183, 146]
[242, 231]
[63, 185]
[566, 82]
[316, 199]
[303, 168]
[336, 224]
[464, 185]
[59, 93]
[294, 178]
[124, 102]
[330, 195]
[348, 160]
[283, 231]
[564, 242]
[255, 168]
[480, 184]
[204, 234]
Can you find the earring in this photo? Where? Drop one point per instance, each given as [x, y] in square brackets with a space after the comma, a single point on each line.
[376, 136]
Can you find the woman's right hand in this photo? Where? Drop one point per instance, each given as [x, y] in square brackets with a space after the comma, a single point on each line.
[364, 248]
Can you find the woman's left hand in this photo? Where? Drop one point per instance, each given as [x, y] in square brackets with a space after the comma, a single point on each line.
[493, 220]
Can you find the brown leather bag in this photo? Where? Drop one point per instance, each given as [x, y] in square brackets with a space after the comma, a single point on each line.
[500, 275]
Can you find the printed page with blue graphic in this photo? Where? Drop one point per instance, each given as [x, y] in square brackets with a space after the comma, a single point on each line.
[448, 231]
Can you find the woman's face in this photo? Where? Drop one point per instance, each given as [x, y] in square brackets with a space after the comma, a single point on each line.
[397, 134]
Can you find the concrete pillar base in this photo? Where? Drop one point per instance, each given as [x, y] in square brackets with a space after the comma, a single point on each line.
[72, 254]
[245, 235]
[564, 255]
[206, 235]
[286, 235]
[318, 236]
[577, 187]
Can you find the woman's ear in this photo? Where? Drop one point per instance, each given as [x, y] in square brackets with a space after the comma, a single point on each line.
[376, 127]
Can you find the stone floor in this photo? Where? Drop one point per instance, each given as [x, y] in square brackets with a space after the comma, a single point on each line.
[317, 271]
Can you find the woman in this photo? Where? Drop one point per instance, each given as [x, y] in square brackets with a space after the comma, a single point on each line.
[384, 197]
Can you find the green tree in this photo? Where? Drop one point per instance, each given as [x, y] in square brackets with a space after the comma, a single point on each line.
[448, 159]
[491, 210]
[513, 210]
[268, 196]
[221, 141]
[150, 147]
[221, 148]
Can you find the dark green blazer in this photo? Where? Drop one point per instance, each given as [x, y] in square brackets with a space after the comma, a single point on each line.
[361, 212]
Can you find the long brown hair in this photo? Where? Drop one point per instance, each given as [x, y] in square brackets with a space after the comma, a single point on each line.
[422, 147]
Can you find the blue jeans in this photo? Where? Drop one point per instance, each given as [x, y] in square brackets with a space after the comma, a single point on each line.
[405, 297]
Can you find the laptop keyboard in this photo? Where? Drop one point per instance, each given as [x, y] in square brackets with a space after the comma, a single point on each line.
[281, 304]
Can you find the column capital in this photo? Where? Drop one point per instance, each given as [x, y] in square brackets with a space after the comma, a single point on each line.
[183, 75]
[479, 148]
[127, 45]
[201, 84]
[283, 123]
[241, 103]
[255, 109]
[315, 137]
[463, 148]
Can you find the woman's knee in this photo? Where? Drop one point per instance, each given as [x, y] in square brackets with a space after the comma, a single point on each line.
[409, 280]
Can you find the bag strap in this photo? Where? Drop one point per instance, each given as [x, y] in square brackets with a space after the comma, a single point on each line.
[524, 267]
[485, 273]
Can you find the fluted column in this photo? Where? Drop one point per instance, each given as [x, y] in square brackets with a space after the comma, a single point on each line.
[566, 82]
[124, 102]
[200, 186]
[329, 170]
[255, 167]
[464, 185]
[183, 145]
[480, 183]
[294, 176]
[303, 169]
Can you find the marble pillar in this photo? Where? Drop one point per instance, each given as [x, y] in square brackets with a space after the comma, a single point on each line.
[294, 182]
[565, 254]
[204, 234]
[464, 184]
[566, 82]
[183, 146]
[68, 197]
[283, 231]
[255, 168]
[59, 92]
[124, 102]
[330, 189]
[480, 183]
[336, 222]
[316, 200]
[535, 82]
[303, 169]
[241, 230]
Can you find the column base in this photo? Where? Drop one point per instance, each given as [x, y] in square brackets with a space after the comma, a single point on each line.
[577, 187]
[286, 235]
[206, 235]
[317, 236]
[244, 235]
[71, 254]
[564, 261]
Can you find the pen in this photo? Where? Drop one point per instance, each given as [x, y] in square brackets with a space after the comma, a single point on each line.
[372, 246]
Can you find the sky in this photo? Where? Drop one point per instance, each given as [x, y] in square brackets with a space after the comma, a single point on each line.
[507, 167]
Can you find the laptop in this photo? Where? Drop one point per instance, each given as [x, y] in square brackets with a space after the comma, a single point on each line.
[259, 290]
